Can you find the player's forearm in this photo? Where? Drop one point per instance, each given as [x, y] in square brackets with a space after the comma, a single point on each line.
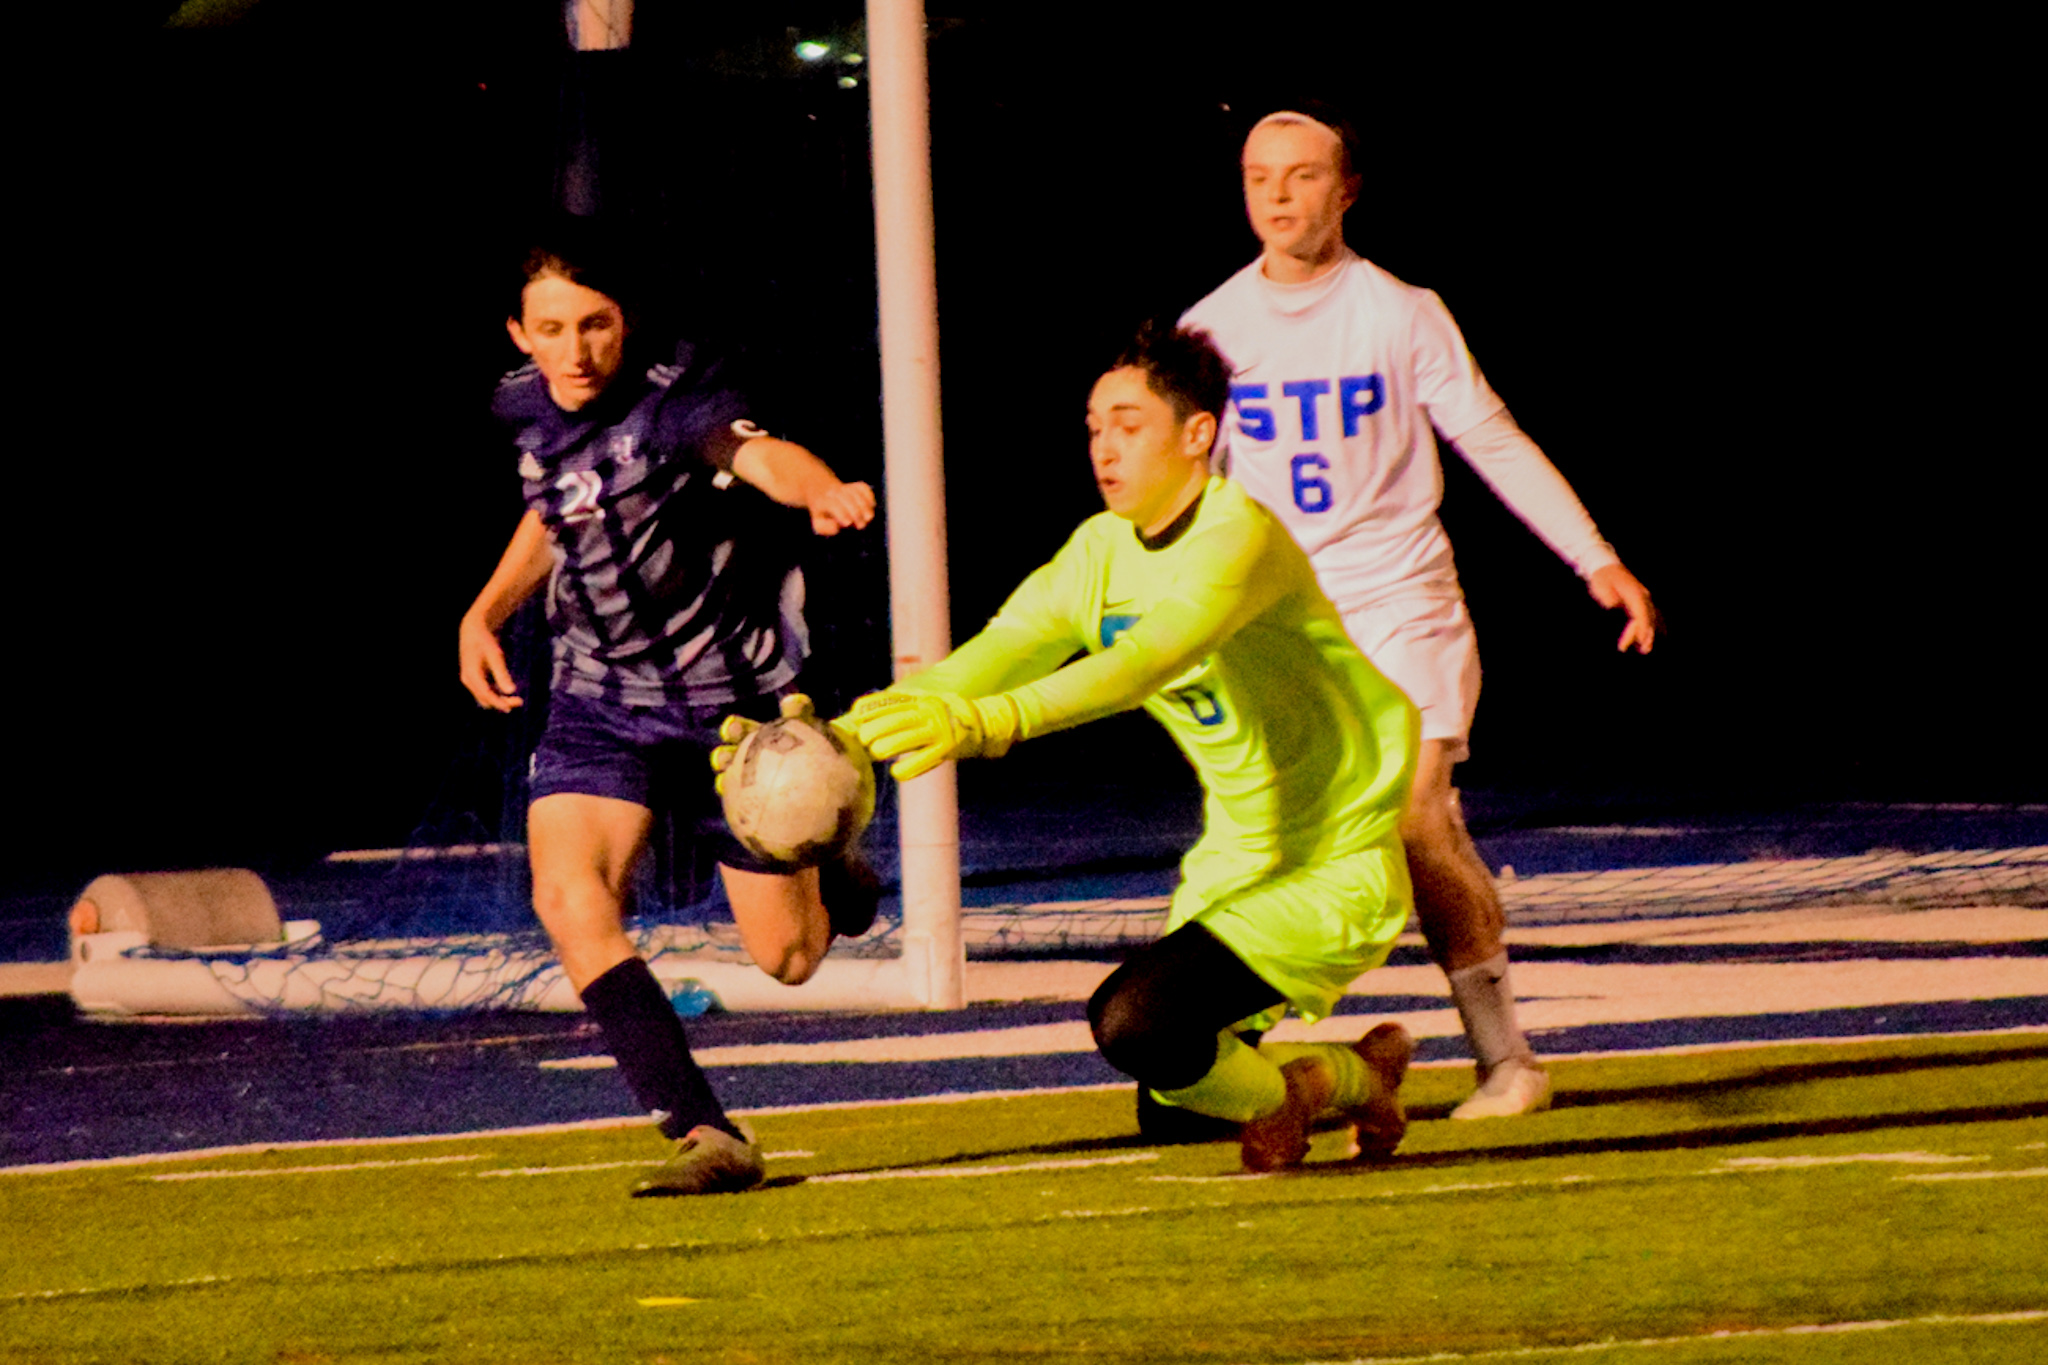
[1516, 468]
[1175, 636]
[784, 470]
[1118, 679]
[997, 659]
[521, 570]
[1230, 581]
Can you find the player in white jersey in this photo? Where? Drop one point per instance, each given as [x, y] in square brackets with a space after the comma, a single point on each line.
[1341, 373]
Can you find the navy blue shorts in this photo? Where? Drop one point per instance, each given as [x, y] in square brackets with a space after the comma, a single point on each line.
[657, 758]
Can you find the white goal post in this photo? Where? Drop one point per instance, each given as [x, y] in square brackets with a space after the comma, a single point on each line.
[115, 971]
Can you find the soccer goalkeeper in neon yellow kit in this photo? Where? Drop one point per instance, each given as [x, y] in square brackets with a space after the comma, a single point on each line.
[1191, 601]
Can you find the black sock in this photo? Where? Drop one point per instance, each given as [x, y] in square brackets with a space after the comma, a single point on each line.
[851, 891]
[645, 1036]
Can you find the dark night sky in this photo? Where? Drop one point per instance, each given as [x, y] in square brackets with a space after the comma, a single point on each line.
[1747, 290]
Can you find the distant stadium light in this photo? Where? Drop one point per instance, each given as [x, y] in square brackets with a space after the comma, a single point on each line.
[811, 52]
[853, 59]
[848, 82]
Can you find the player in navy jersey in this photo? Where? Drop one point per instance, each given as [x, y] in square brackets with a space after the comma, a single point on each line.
[673, 601]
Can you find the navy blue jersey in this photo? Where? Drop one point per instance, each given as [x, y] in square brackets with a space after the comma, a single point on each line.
[672, 581]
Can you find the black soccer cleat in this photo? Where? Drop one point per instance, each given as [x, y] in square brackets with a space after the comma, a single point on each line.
[851, 892]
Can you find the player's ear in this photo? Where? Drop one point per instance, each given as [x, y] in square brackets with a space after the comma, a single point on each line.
[1198, 433]
[1352, 184]
[518, 335]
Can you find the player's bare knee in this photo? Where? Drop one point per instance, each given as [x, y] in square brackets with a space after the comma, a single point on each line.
[807, 949]
[797, 964]
[555, 901]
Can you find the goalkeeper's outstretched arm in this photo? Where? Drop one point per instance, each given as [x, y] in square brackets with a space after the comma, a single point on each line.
[1004, 685]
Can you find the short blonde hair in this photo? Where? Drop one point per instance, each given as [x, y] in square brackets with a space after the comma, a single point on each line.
[1316, 114]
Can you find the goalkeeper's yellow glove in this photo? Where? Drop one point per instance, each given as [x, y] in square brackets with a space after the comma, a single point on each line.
[921, 730]
[796, 706]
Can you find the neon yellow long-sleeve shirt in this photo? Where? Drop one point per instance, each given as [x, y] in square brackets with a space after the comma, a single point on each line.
[1305, 752]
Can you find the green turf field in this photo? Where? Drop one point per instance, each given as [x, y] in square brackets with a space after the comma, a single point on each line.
[1893, 1192]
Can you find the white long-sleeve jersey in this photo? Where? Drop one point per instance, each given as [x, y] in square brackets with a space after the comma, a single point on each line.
[1336, 386]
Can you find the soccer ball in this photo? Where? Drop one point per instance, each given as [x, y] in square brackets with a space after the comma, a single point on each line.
[796, 793]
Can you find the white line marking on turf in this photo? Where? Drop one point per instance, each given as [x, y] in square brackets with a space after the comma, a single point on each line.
[946, 1097]
[545, 1129]
[1741, 1334]
[1769, 1163]
[578, 1169]
[1462, 1187]
[943, 1097]
[308, 1144]
[314, 1170]
[961, 1172]
[2031, 1173]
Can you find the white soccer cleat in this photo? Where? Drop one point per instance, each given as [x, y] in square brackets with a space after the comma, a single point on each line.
[707, 1160]
[1516, 1086]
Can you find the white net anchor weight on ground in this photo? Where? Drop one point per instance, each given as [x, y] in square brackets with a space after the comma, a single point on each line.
[120, 921]
[211, 944]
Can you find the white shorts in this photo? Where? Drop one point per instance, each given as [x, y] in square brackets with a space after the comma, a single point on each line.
[1427, 648]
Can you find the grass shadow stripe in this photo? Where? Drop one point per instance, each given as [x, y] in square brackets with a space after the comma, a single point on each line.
[1688, 1139]
[1797, 1073]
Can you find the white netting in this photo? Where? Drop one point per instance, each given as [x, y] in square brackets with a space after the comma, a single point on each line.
[378, 951]
[1969, 876]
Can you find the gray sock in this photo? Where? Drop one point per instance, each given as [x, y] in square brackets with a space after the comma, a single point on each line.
[1486, 1003]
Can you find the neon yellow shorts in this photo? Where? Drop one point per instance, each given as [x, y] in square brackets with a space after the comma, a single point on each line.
[1311, 931]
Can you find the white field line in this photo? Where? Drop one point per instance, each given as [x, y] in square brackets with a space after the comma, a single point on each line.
[1739, 1166]
[1760, 1163]
[578, 1169]
[1743, 1334]
[523, 1130]
[454, 1045]
[943, 1097]
[1815, 924]
[505, 1171]
[314, 1144]
[2031, 1173]
[1552, 995]
[314, 1170]
[1335, 1030]
[966, 1172]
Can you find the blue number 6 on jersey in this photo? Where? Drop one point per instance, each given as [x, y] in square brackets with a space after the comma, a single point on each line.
[1312, 492]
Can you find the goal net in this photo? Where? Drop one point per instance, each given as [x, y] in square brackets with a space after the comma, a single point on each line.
[448, 926]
